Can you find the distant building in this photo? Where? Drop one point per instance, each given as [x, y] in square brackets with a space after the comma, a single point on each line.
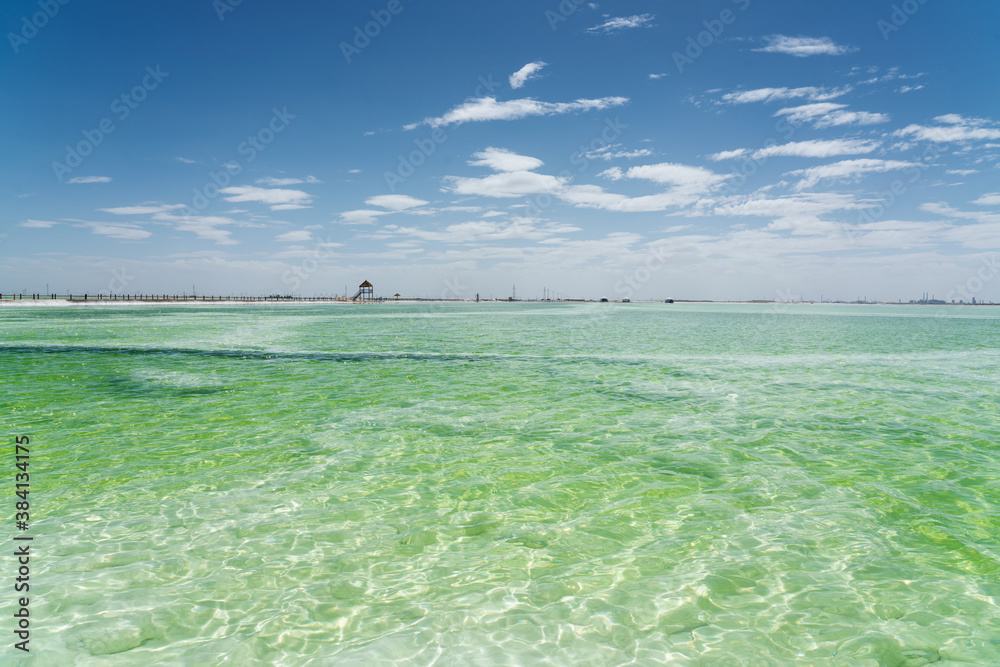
[366, 292]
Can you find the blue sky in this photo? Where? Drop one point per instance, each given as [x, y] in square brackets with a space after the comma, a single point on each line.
[731, 149]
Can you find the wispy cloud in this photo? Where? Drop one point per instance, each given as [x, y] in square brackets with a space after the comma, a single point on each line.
[205, 227]
[845, 170]
[90, 179]
[271, 181]
[121, 232]
[526, 73]
[609, 153]
[186, 160]
[812, 93]
[482, 231]
[620, 23]
[685, 185]
[828, 114]
[488, 108]
[658, 75]
[361, 216]
[39, 224]
[395, 202]
[802, 47]
[278, 199]
[294, 237]
[991, 199]
[500, 159]
[142, 209]
[953, 128]
[819, 148]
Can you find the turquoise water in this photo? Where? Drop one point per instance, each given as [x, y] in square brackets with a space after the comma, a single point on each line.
[509, 484]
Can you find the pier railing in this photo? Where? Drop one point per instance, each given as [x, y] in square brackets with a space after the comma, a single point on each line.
[165, 298]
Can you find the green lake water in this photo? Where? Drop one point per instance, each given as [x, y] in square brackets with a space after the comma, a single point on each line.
[507, 484]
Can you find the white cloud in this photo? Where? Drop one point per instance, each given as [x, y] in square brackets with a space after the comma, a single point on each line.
[90, 179]
[186, 160]
[506, 184]
[694, 179]
[294, 237]
[812, 93]
[962, 172]
[123, 232]
[500, 159]
[279, 182]
[203, 226]
[953, 128]
[361, 217]
[395, 202]
[846, 169]
[488, 108]
[482, 231]
[687, 185]
[827, 114]
[277, 198]
[526, 73]
[39, 224]
[812, 148]
[660, 75]
[608, 153]
[802, 214]
[728, 155]
[613, 174]
[803, 46]
[142, 209]
[620, 23]
[991, 199]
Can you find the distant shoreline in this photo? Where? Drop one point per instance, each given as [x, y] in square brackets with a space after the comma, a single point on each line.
[221, 301]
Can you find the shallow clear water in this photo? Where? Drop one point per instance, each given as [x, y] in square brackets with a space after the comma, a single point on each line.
[522, 484]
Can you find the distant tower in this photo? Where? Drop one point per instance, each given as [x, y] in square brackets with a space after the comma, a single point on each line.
[366, 292]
